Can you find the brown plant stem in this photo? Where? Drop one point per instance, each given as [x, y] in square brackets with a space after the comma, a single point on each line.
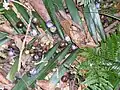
[23, 44]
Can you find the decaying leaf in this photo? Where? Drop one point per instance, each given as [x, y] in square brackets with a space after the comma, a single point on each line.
[5, 28]
[18, 39]
[3, 80]
[18, 42]
[65, 22]
[40, 8]
[45, 85]
[25, 58]
[82, 87]
[79, 36]
[45, 39]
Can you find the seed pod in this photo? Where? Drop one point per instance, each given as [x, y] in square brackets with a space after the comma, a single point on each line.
[53, 29]
[64, 78]
[74, 47]
[33, 32]
[11, 52]
[27, 52]
[66, 10]
[67, 38]
[63, 44]
[33, 72]
[36, 57]
[49, 24]
[20, 24]
[35, 21]
[97, 5]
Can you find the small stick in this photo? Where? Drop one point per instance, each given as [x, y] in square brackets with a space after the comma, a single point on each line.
[23, 44]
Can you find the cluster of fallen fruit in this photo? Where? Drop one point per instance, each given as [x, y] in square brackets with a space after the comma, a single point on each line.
[11, 50]
[43, 44]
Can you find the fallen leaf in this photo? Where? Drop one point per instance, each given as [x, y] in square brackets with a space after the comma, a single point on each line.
[18, 39]
[5, 28]
[40, 8]
[66, 26]
[64, 21]
[82, 87]
[45, 85]
[3, 79]
[25, 58]
[79, 36]
[6, 87]
[18, 42]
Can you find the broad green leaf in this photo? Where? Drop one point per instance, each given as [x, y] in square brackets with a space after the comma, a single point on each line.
[74, 12]
[90, 23]
[22, 11]
[21, 85]
[59, 58]
[3, 35]
[3, 41]
[96, 18]
[43, 70]
[62, 69]
[51, 9]
[42, 23]
[12, 18]
[58, 4]
[25, 13]
[110, 15]
[11, 74]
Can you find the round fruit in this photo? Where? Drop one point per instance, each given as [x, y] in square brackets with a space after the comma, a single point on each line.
[35, 21]
[53, 29]
[20, 24]
[49, 24]
[66, 10]
[63, 44]
[64, 78]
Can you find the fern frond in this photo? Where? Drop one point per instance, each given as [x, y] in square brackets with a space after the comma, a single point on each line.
[101, 61]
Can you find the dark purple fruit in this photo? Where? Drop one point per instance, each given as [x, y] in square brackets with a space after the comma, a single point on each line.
[20, 24]
[63, 44]
[64, 78]
[66, 10]
[36, 57]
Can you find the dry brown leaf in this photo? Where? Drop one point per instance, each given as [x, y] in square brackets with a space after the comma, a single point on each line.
[45, 39]
[82, 87]
[18, 42]
[40, 8]
[4, 86]
[18, 39]
[89, 40]
[3, 79]
[5, 28]
[79, 37]
[66, 26]
[65, 21]
[45, 85]
[25, 58]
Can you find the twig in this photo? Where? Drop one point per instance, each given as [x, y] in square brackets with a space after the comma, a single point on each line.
[23, 44]
[108, 29]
